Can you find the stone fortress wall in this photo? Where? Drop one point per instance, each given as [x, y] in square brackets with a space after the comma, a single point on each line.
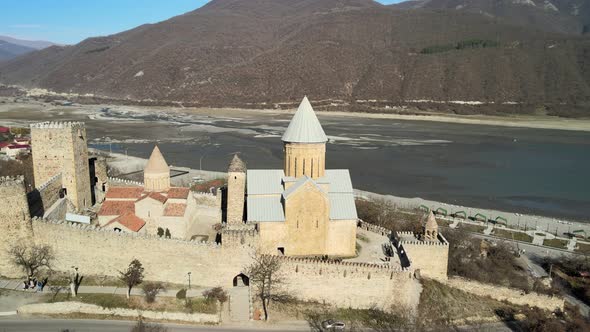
[98, 252]
[104, 252]
[431, 258]
[14, 217]
[350, 284]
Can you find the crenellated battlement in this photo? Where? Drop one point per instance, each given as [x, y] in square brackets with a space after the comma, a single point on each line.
[113, 180]
[236, 237]
[98, 230]
[50, 181]
[343, 264]
[57, 125]
[11, 181]
[373, 228]
[442, 241]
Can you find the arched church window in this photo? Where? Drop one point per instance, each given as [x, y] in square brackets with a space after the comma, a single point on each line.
[295, 167]
[316, 223]
[312, 167]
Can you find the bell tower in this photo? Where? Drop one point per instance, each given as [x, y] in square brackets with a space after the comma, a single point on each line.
[305, 144]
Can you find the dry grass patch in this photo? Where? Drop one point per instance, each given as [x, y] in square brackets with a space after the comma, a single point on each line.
[441, 305]
[169, 304]
[518, 236]
[583, 248]
[472, 228]
[556, 243]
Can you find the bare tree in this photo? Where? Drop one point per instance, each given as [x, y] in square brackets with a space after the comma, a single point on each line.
[31, 258]
[267, 280]
[133, 276]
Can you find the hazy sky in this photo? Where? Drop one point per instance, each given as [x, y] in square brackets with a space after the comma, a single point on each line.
[71, 21]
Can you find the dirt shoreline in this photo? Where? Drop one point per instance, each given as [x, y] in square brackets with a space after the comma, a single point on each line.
[521, 121]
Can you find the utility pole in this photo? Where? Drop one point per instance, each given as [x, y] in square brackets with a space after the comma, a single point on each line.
[189, 280]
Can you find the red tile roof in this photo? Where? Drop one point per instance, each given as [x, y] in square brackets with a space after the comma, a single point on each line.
[3, 144]
[130, 221]
[154, 195]
[175, 209]
[4, 129]
[178, 192]
[19, 146]
[124, 192]
[116, 208]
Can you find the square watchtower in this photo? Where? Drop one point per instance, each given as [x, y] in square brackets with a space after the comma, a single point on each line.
[61, 147]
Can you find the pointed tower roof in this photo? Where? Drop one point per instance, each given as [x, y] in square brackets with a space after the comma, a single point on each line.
[431, 222]
[305, 126]
[156, 163]
[237, 165]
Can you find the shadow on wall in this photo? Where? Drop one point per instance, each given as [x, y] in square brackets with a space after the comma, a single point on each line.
[35, 203]
[223, 204]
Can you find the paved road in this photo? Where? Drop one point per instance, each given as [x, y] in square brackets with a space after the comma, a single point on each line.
[90, 325]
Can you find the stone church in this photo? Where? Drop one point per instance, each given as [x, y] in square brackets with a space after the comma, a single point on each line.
[303, 209]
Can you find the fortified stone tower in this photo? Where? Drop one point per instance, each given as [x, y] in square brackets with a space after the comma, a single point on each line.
[431, 228]
[156, 175]
[61, 147]
[305, 144]
[236, 185]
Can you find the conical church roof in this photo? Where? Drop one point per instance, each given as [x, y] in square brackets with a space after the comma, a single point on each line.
[237, 165]
[156, 163]
[305, 126]
[431, 221]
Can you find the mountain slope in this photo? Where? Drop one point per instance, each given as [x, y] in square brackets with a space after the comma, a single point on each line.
[233, 52]
[34, 44]
[564, 16]
[10, 50]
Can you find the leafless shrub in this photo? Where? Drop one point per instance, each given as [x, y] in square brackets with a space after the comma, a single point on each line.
[151, 290]
[216, 293]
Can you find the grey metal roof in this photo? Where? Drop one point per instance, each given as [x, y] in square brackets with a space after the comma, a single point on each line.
[264, 181]
[265, 208]
[305, 126]
[339, 180]
[265, 192]
[342, 206]
[300, 183]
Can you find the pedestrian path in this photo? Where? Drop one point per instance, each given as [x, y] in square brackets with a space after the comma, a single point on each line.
[239, 304]
[18, 285]
[571, 245]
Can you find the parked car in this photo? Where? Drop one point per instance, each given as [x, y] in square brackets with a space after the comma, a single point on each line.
[333, 325]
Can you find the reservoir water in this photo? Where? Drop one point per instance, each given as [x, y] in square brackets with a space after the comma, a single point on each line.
[536, 171]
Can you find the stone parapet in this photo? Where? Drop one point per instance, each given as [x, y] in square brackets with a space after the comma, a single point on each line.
[10, 181]
[65, 308]
[343, 264]
[112, 180]
[98, 229]
[373, 228]
[57, 125]
[50, 181]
